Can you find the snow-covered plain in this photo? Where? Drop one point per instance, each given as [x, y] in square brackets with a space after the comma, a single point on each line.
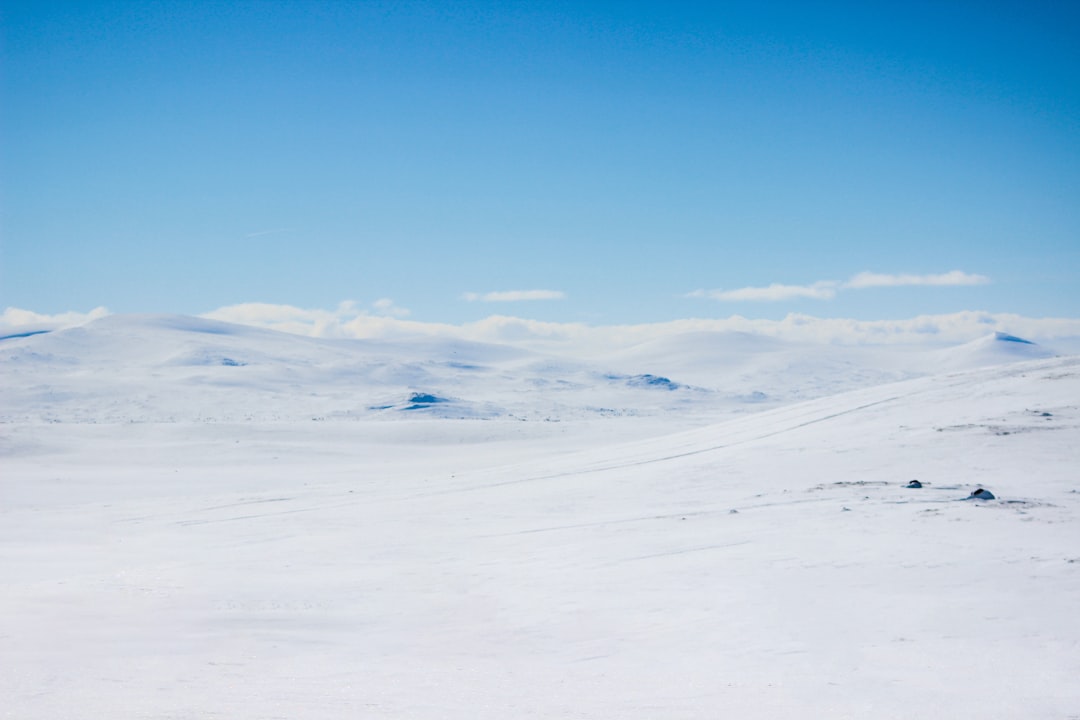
[203, 520]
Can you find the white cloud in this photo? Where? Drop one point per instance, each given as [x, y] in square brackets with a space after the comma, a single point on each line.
[16, 320]
[824, 290]
[827, 289]
[955, 277]
[515, 295]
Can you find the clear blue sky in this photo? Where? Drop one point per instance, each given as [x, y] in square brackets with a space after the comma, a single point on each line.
[182, 156]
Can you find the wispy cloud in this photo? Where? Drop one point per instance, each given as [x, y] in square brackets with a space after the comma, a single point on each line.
[260, 233]
[386, 307]
[955, 277]
[824, 290]
[827, 289]
[515, 295]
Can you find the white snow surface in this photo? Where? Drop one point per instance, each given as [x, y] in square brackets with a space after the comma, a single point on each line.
[203, 520]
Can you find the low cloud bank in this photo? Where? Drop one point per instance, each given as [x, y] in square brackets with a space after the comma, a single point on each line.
[384, 320]
[14, 321]
[348, 322]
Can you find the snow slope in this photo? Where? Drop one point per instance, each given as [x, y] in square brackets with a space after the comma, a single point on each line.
[772, 565]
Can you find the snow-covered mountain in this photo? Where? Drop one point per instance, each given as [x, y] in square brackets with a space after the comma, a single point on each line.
[205, 520]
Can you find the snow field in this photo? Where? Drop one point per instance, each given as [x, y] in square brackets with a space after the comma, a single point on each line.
[771, 565]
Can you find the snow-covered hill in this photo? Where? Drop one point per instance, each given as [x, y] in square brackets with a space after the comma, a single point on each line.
[662, 564]
[995, 349]
[178, 369]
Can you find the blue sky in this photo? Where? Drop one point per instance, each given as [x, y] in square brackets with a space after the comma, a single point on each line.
[592, 162]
